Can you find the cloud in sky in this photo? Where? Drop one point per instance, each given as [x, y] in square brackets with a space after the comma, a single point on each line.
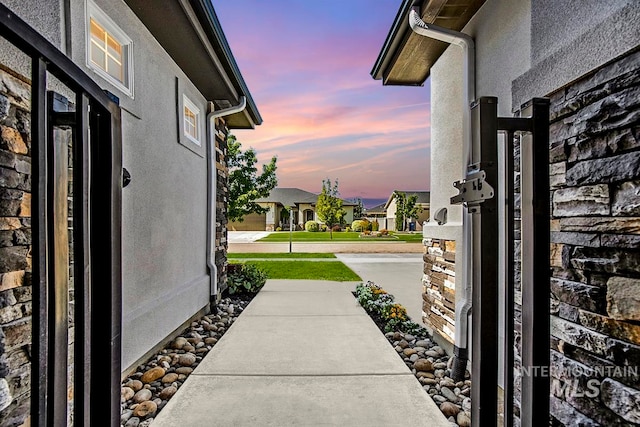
[307, 65]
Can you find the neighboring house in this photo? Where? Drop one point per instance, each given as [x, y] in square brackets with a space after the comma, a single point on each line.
[414, 224]
[583, 57]
[279, 202]
[377, 213]
[170, 69]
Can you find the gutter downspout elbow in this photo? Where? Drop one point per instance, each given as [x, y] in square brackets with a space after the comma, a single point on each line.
[212, 185]
[463, 306]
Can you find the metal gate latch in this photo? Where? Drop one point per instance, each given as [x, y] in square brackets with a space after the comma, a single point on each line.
[472, 190]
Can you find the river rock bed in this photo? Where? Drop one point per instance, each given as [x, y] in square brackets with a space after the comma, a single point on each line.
[147, 390]
[432, 367]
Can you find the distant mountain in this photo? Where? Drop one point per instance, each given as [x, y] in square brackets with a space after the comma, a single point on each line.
[369, 202]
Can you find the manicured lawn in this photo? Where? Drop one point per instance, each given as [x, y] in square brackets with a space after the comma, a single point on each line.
[340, 236]
[285, 255]
[306, 270]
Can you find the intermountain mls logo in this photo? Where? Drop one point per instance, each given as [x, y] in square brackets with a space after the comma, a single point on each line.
[578, 381]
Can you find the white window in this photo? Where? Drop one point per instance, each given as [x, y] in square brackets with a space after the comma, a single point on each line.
[109, 49]
[191, 115]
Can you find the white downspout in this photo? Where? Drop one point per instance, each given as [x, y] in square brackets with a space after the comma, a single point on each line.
[212, 184]
[463, 305]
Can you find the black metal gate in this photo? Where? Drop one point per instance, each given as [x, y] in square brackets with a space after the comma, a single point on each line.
[96, 161]
[477, 194]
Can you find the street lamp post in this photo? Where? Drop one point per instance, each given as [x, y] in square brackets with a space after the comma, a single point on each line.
[290, 227]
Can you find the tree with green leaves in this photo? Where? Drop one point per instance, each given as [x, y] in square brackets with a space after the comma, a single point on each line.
[406, 208]
[245, 183]
[329, 205]
[411, 208]
[358, 209]
[401, 199]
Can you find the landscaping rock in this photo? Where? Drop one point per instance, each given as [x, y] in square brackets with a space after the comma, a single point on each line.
[432, 367]
[147, 390]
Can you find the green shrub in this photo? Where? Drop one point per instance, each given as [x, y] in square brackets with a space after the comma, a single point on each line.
[323, 227]
[376, 300]
[311, 226]
[361, 225]
[375, 226]
[245, 278]
[279, 229]
[347, 229]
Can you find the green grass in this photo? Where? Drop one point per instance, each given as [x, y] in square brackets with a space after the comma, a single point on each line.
[306, 270]
[296, 255]
[340, 236]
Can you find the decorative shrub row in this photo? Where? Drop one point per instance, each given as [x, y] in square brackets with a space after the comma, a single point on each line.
[381, 305]
[361, 225]
[313, 226]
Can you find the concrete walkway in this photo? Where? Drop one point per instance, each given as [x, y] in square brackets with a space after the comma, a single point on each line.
[303, 353]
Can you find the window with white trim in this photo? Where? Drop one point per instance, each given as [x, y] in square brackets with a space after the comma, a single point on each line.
[191, 115]
[109, 49]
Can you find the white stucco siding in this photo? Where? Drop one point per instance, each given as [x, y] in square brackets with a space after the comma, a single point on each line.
[348, 217]
[164, 228]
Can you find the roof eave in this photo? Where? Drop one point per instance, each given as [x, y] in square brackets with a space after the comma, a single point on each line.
[396, 35]
[406, 58]
[207, 15]
[197, 44]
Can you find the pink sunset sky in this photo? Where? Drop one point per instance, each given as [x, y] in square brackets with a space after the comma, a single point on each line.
[307, 65]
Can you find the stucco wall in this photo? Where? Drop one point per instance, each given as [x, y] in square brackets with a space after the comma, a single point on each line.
[165, 279]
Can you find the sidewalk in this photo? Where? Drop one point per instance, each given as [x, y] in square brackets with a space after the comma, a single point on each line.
[333, 247]
[302, 354]
[400, 274]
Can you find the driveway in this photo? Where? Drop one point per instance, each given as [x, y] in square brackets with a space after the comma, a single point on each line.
[245, 236]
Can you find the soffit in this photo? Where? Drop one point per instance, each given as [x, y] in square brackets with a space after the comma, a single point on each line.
[406, 57]
[190, 33]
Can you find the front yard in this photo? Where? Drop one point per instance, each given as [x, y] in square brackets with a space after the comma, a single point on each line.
[297, 266]
[340, 236]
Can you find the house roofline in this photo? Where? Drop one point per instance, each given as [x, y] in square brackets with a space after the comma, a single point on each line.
[206, 13]
[406, 58]
[396, 34]
[198, 45]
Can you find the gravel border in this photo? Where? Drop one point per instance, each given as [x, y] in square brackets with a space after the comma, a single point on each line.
[146, 391]
[432, 368]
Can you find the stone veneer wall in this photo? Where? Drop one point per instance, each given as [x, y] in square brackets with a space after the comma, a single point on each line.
[222, 200]
[15, 250]
[439, 280]
[595, 248]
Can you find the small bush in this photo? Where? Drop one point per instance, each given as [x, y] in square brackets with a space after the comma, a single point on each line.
[336, 228]
[361, 225]
[311, 226]
[279, 229]
[393, 316]
[384, 232]
[375, 226]
[323, 227]
[347, 229]
[245, 278]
